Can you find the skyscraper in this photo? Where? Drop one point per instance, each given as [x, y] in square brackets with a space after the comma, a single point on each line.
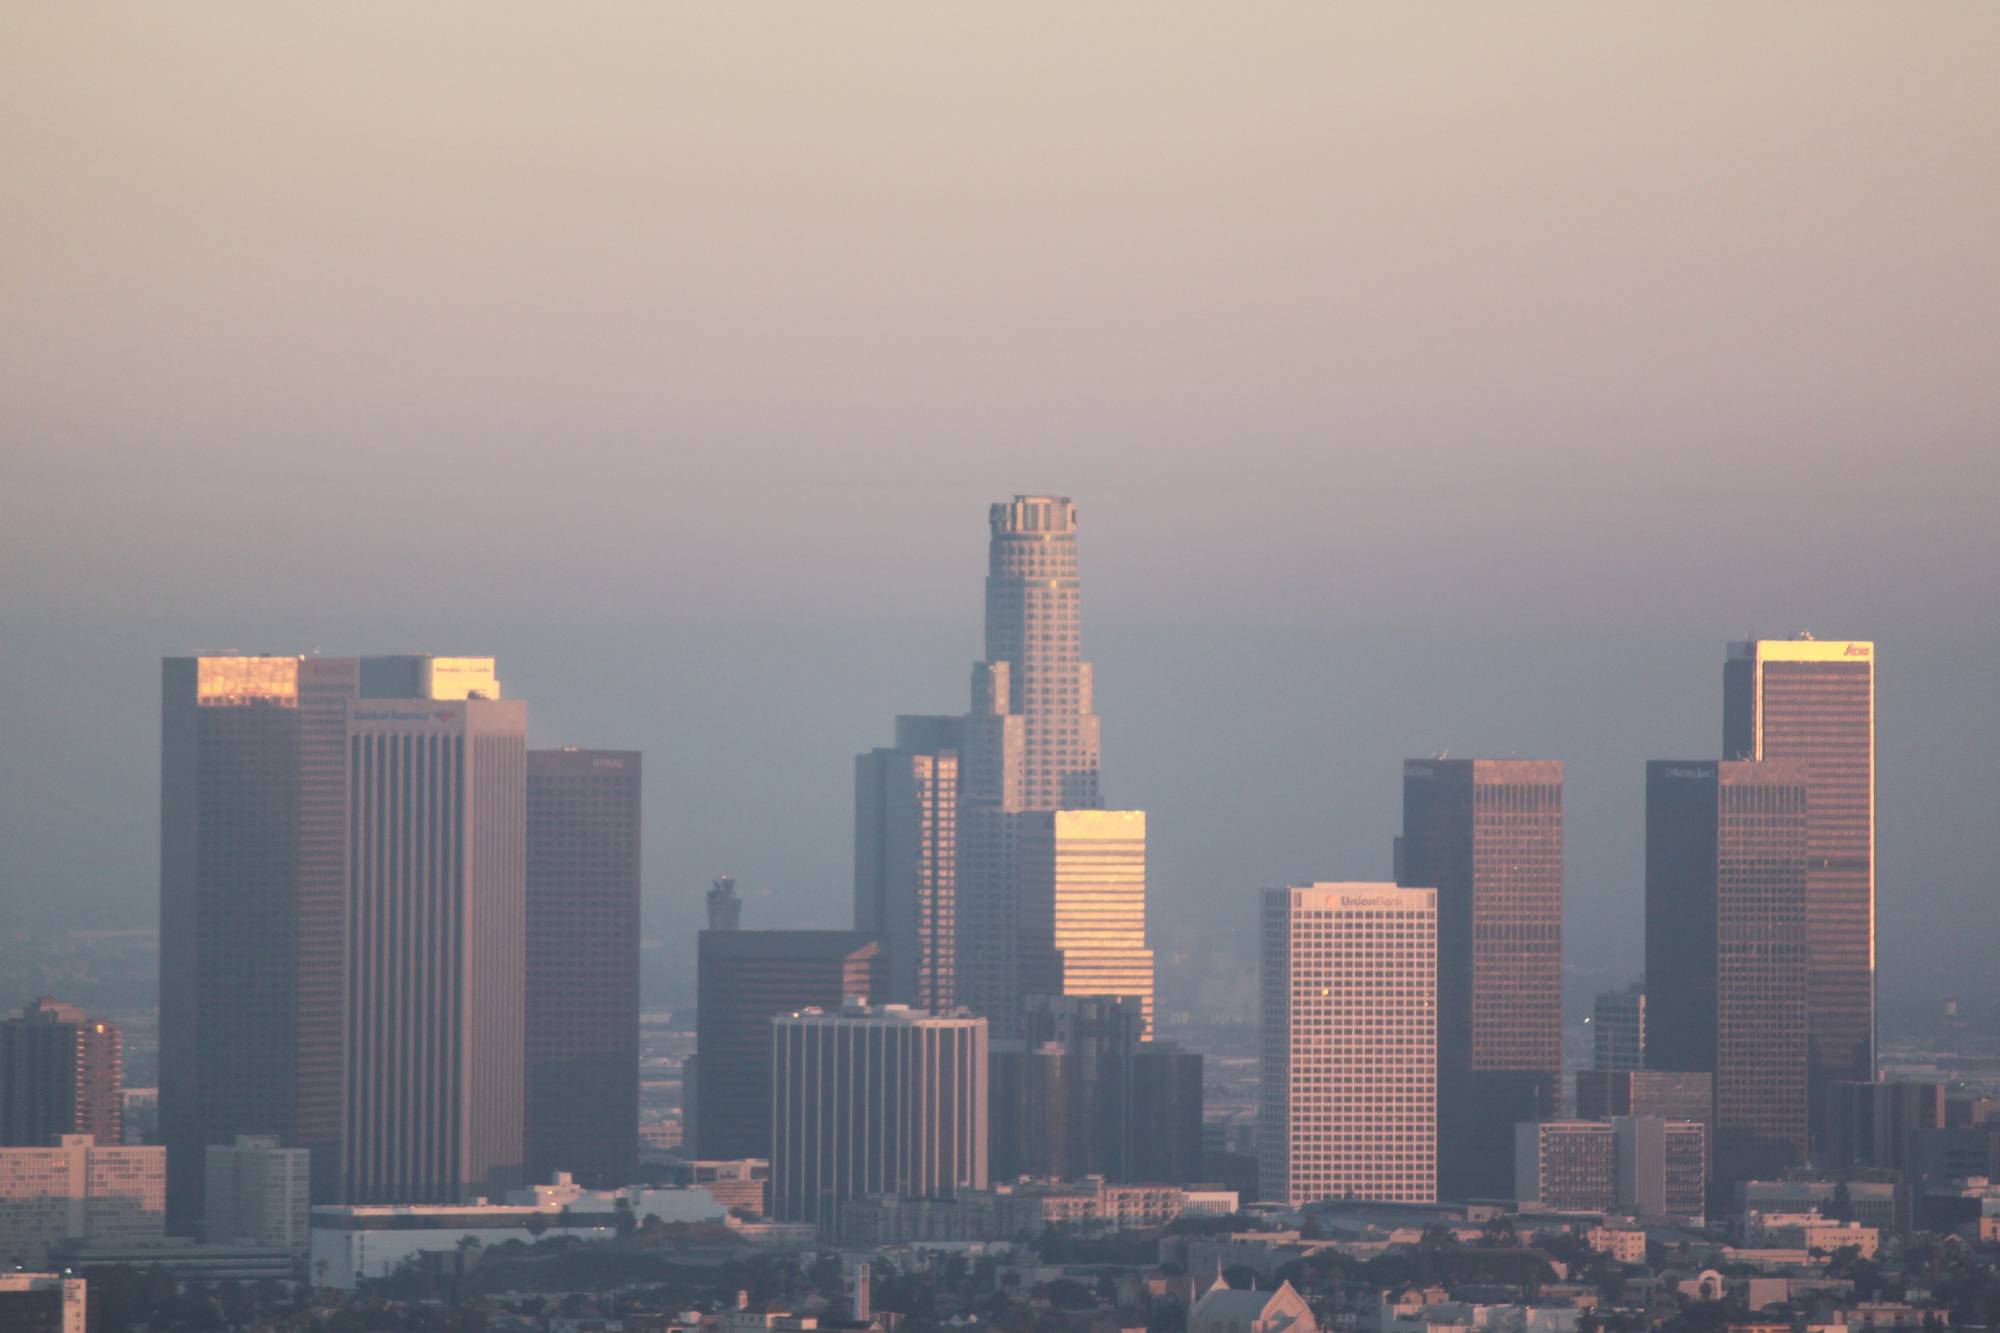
[1814, 701]
[874, 1101]
[230, 779]
[743, 979]
[1348, 1098]
[1081, 886]
[254, 920]
[436, 886]
[1726, 948]
[906, 857]
[1487, 834]
[582, 1006]
[61, 1072]
[1029, 743]
[1618, 1029]
[1033, 622]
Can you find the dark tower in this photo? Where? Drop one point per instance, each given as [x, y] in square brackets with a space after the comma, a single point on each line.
[581, 1073]
[1726, 949]
[230, 781]
[1487, 834]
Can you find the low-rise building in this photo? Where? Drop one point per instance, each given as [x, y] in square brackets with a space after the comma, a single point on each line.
[1810, 1232]
[1872, 1203]
[1021, 1209]
[737, 1183]
[77, 1191]
[188, 1261]
[1641, 1165]
[355, 1241]
[1470, 1317]
[694, 1203]
[43, 1303]
[258, 1194]
[1625, 1244]
[350, 1242]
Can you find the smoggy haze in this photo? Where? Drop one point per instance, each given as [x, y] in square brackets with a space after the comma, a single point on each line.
[1427, 379]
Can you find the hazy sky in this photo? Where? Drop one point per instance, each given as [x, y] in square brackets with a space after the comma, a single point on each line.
[1428, 378]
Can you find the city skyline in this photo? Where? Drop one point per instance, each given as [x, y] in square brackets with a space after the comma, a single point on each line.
[1570, 327]
[327, 677]
[1427, 400]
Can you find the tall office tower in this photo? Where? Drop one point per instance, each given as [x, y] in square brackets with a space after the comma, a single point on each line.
[229, 908]
[326, 685]
[1814, 702]
[1033, 618]
[1348, 1098]
[874, 1101]
[1081, 878]
[1030, 741]
[1487, 834]
[1618, 1029]
[725, 909]
[61, 1072]
[744, 979]
[437, 816]
[258, 1194]
[253, 895]
[1726, 948]
[906, 857]
[581, 1071]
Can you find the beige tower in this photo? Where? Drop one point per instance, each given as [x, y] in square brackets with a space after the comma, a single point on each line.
[1349, 1080]
[436, 889]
